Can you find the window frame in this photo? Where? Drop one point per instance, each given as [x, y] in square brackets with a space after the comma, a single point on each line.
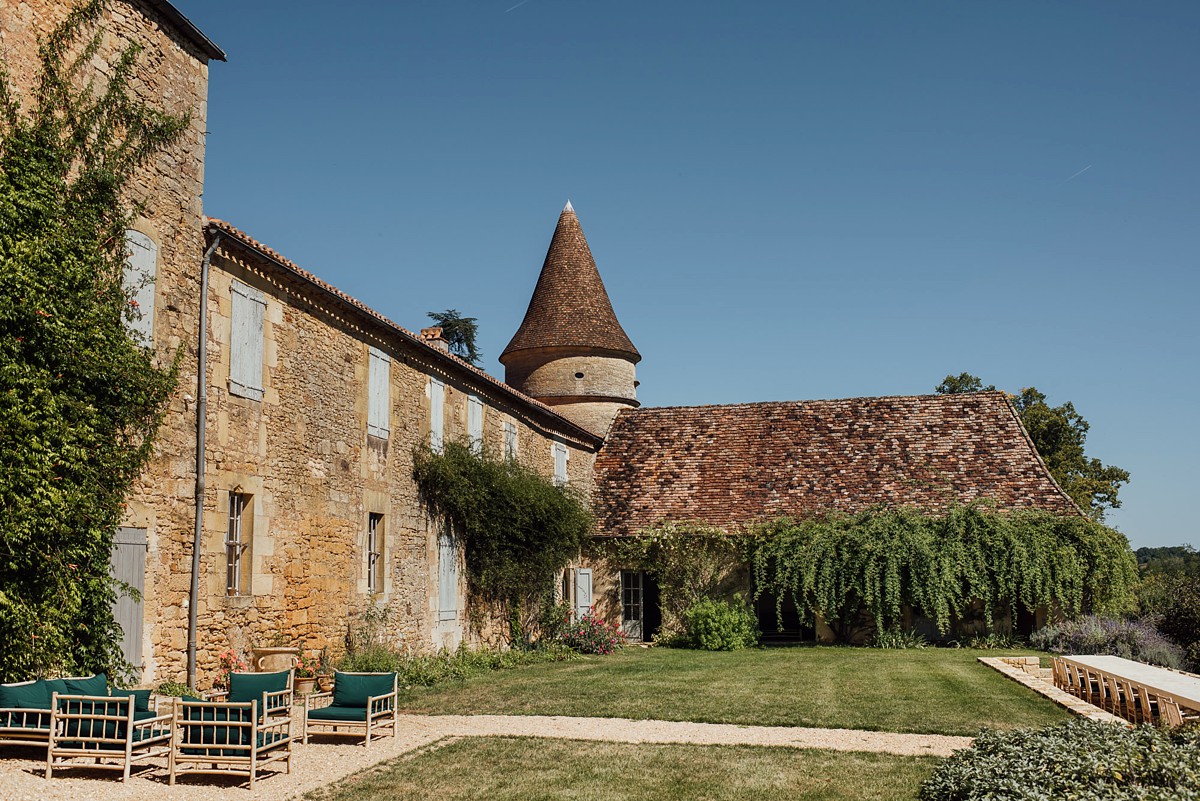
[140, 282]
[239, 541]
[375, 551]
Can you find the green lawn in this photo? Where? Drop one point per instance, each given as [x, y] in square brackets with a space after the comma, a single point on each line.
[526, 769]
[936, 690]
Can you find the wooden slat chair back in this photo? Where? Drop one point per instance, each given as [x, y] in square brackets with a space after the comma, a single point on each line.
[1168, 712]
[228, 738]
[107, 731]
[1149, 704]
[1118, 702]
[1135, 712]
[1059, 674]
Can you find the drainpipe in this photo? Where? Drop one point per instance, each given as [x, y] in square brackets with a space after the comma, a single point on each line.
[201, 414]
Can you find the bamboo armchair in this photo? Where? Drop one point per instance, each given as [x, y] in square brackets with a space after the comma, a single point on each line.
[110, 732]
[360, 702]
[215, 737]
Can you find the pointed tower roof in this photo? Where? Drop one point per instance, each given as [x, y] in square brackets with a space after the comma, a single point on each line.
[570, 306]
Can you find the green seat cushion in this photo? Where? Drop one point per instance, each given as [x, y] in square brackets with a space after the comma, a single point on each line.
[352, 689]
[141, 700]
[92, 685]
[356, 714]
[247, 687]
[32, 695]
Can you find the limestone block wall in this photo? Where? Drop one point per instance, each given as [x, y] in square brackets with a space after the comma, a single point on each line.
[303, 454]
[172, 76]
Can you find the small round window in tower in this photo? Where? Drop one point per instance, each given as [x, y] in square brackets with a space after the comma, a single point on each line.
[579, 375]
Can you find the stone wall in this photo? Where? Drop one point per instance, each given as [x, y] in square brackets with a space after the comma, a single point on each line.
[304, 456]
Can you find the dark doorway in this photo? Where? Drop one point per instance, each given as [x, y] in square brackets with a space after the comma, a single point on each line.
[781, 623]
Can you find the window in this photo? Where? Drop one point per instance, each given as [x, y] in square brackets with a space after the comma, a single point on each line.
[378, 393]
[510, 440]
[447, 576]
[560, 463]
[246, 342]
[437, 416]
[475, 423]
[140, 272]
[374, 552]
[238, 539]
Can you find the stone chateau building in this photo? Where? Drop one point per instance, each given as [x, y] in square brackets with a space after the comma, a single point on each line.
[280, 499]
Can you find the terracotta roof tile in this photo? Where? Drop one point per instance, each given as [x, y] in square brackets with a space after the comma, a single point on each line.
[570, 306]
[464, 368]
[729, 465]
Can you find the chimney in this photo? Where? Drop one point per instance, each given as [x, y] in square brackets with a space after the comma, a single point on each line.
[433, 337]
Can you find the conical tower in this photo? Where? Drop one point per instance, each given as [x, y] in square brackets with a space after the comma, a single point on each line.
[570, 352]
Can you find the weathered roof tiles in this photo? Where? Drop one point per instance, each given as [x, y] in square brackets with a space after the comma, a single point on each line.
[731, 465]
[570, 306]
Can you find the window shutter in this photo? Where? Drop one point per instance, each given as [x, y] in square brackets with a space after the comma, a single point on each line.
[246, 342]
[560, 463]
[475, 423]
[140, 272]
[447, 577]
[378, 393]
[510, 440]
[437, 416]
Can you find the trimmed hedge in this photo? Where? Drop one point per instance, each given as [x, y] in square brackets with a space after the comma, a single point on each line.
[1079, 760]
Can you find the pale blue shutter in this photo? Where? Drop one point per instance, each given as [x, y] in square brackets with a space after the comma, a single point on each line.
[246, 342]
[447, 577]
[583, 590]
[437, 414]
[560, 463]
[378, 393]
[475, 423]
[140, 272]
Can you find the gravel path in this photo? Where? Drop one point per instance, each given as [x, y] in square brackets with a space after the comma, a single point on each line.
[329, 759]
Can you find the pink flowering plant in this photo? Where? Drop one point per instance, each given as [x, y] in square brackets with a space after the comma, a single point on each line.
[591, 634]
[228, 661]
[306, 668]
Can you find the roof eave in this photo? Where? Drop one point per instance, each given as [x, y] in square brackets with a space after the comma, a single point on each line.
[188, 29]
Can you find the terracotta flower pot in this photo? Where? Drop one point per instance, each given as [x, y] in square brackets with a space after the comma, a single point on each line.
[304, 684]
[325, 683]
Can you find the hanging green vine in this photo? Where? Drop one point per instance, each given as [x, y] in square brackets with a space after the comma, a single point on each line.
[874, 563]
[517, 527]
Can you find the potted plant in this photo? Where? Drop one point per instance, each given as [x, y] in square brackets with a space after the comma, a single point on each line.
[276, 655]
[324, 672]
[306, 675]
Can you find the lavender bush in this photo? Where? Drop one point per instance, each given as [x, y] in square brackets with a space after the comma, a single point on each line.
[1092, 634]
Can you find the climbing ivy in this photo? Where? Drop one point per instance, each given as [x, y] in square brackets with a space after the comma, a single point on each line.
[871, 564]
[517, 527]
[80, 401]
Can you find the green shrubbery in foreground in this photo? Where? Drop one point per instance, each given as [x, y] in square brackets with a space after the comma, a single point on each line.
[1078, 760]
[712, 625]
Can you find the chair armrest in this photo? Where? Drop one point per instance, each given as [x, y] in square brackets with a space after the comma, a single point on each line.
[215, 695]
[380, 699]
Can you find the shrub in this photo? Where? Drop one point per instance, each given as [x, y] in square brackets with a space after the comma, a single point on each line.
[1080, 760]
[1181, 620]
[1091, 634]
[591, 634]
[900, 639]
[994, 642]
[431, 669]
[174, 689]
[713, 625]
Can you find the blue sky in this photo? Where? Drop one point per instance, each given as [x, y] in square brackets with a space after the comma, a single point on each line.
[785, 200]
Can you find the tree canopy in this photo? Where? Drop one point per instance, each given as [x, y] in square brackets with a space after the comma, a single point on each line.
[1059, 433]
[80, 400]
[460, 332]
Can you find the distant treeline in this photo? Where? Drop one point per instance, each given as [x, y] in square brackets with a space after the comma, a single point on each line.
[1174, 560]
